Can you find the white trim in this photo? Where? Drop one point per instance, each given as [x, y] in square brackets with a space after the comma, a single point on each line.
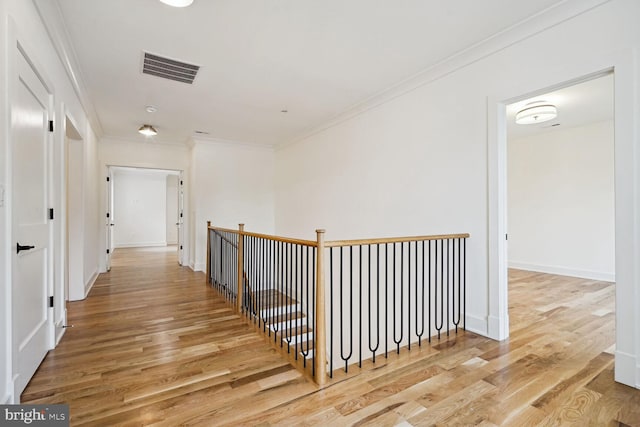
[229, 143]
[625, 367]
[140, 245]
[199, 266]
[60, 327]
[476, 324]
[6, 399]
[516, 33]
[627, 191]
[89, 285]
[52, 20]
[564, 271]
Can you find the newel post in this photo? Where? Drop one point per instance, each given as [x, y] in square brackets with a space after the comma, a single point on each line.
[208, 267]
[240, 265]
[319, 334]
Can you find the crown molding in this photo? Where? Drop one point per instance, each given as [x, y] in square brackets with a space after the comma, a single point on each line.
[535, 24]
[51, 17]
[199, 140]
[106, 139]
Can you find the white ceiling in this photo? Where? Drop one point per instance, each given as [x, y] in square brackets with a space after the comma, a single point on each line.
[578, 105]
[313, 58]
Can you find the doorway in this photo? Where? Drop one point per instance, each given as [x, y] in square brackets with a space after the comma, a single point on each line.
[145, 209]
[560, 203]
[627, 323]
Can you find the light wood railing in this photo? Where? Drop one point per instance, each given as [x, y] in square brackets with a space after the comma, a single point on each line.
[313, 309]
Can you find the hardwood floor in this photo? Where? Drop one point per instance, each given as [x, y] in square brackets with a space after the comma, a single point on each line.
[153, 345]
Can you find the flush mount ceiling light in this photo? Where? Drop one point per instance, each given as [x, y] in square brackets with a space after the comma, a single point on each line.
[177, 3]
[148, 130]
[537, 112]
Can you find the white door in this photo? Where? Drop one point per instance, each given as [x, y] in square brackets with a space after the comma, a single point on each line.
[109, 224]
[180, 219]
[30, 142]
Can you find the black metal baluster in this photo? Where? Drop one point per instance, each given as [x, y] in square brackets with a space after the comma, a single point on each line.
[408, 294]
[464, 284]
[330, 313]
[386, 300]
[360, 310]
[448, 286]
[419, 326]
[313, 305]
[374, 349]
[435, 288]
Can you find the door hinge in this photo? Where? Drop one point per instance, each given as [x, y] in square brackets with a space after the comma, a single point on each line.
[51, 213]
[108, 215]
[50, 125]
[50, 302]
[108, 179]
[108, 251]
[180, 214]
[180, 247]
[180, 182]
[506, 237]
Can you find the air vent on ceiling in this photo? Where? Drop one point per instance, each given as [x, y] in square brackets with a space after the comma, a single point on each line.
[169, 68]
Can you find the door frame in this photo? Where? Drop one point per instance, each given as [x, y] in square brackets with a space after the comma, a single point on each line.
[627, 223]
[110, 197]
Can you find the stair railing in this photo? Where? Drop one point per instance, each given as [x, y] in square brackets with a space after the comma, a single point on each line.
[381, 293]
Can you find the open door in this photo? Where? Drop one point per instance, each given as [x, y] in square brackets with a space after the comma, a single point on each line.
[109, 224]
[180, 219]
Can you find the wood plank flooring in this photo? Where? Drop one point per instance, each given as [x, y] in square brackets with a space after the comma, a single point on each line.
[153, 345]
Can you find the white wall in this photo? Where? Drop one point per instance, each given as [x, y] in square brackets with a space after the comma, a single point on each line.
[20, 19]
[112, 152]
[561, 202]
[75, 220]
[140, 209]
[418, 162]
[233, 184]
[172, 209]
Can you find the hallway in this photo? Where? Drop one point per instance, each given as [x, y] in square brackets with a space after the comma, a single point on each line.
[152, 344]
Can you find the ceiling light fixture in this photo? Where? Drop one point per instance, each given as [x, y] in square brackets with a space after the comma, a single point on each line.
[148, 130]
[536, 112]
[151, 109]
[177, 3]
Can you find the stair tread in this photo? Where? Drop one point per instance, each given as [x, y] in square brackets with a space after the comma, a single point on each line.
[285, 317]
[265, 297]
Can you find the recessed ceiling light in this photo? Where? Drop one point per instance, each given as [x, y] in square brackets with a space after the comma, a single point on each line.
[177, 3]
[151, 109]
[148, 130]
[536, 112]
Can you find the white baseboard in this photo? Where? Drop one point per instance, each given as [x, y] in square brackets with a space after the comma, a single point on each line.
[140, 244]
[90, 282]
[477, 325]
[626, 370]
[6, 399]
[199, 266]
[564, 271]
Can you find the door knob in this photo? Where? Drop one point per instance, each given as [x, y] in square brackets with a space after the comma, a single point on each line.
[20, 247]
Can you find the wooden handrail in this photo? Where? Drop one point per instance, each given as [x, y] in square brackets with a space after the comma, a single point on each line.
[382, 240]
[283, 239]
